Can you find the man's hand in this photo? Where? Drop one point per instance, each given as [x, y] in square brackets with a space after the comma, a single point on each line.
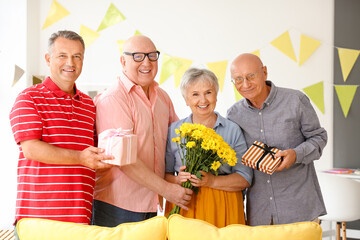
[289, 158]
[178, 195]
[91, 157]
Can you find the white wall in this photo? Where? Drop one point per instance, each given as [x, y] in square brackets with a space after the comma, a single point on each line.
[202, 31]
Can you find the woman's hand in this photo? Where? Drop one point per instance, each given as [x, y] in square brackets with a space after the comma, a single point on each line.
[207, 180]
[182, 176]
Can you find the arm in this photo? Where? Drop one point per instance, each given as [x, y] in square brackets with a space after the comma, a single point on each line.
[44, 152]
[315, 136]
[174, 193]
[232, 182]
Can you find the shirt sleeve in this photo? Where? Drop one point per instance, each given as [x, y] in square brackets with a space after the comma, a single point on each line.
[170, 153]
[240, 148]
[25, 120]
[315, 136]
[113, 112]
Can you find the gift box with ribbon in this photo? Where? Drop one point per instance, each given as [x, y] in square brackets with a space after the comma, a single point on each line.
[122, 144]
[262, 157]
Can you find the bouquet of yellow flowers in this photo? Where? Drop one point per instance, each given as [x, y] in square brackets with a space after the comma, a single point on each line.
[201, 149]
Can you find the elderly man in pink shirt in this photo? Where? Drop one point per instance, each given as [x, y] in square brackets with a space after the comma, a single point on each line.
[131, 193]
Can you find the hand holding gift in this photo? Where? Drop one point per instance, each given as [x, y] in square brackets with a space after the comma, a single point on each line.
[262, 157]
[122, 144]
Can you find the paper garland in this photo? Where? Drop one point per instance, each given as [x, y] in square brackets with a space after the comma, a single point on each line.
[316, 94]
[88, 35]
[56, 13]
[176, 66]
[112, 17]
[345, 95]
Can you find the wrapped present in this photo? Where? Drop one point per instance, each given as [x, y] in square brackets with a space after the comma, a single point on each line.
[262, 157]
[122, 144]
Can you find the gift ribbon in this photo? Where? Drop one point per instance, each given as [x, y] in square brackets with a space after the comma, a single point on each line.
[267, 149]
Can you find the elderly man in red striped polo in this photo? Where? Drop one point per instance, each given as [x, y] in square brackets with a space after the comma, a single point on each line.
[53, 124]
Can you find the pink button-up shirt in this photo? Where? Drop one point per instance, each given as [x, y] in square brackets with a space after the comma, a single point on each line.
[126, 106]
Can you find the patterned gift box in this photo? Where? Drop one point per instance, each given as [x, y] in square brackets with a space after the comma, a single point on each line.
[122, 144]
[261, 157]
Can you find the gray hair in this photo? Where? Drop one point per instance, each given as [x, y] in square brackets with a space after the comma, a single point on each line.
[67, 35]
[192, 75]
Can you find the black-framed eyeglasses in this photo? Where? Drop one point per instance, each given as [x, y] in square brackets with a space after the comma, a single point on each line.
[250, 77]
[139, 56]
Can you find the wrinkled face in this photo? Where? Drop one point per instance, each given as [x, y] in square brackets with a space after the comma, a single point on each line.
[142, 73]
[253, 86]
[201, 97]
[65, 60]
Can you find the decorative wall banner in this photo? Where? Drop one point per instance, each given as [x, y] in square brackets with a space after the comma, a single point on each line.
[237, 94]
[256, 52]
[169, 66]
[316, 94]
[88, 35]
[283, 43]
[181, 70]
[219, 68]
[56, 13]
[137, 32]
[346, 95]
[112, 17]
[18, 72]
[347, 60]
[308, 46]
[36, 79]
[120, 44]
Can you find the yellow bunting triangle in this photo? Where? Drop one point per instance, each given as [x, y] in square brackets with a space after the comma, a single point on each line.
[180, 71]
[120, 44]
[345, 94]
[88, 35]
[316, 94]
[347, 60]
[112, 17]
[256, 52]
[17, 74]
[219, 68]
[137, 33]
[56, 13]
[169, 67]
[283, 43]
[237, 94]
[308, 46]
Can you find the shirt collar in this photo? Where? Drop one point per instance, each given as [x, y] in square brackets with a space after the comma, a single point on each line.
[49, 84]
[269, 98]
[219, 121]
[130, 84]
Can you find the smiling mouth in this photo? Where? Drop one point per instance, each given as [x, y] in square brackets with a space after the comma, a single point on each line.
[203, 106]
[143, 71]
[69, 70]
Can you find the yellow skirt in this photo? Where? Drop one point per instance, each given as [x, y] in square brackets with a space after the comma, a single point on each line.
[218, 207]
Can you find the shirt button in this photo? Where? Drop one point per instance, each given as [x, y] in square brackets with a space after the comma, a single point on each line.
[259, 113]
[268, 181]
[261, 130]
[270, 198]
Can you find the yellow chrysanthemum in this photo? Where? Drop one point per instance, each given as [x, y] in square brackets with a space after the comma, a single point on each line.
[215, 165]
[190, 144]
[176, 139]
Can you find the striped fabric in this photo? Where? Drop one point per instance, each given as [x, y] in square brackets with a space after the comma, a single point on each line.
[256, 157]
[58, 192]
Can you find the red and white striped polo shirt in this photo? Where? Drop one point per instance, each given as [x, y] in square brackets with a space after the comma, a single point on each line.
[58, 192]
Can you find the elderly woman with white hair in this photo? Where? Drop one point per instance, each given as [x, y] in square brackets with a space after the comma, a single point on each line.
[219, 200]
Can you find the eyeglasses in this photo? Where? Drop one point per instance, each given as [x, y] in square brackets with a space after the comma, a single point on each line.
[250, 77]
[139, 56]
